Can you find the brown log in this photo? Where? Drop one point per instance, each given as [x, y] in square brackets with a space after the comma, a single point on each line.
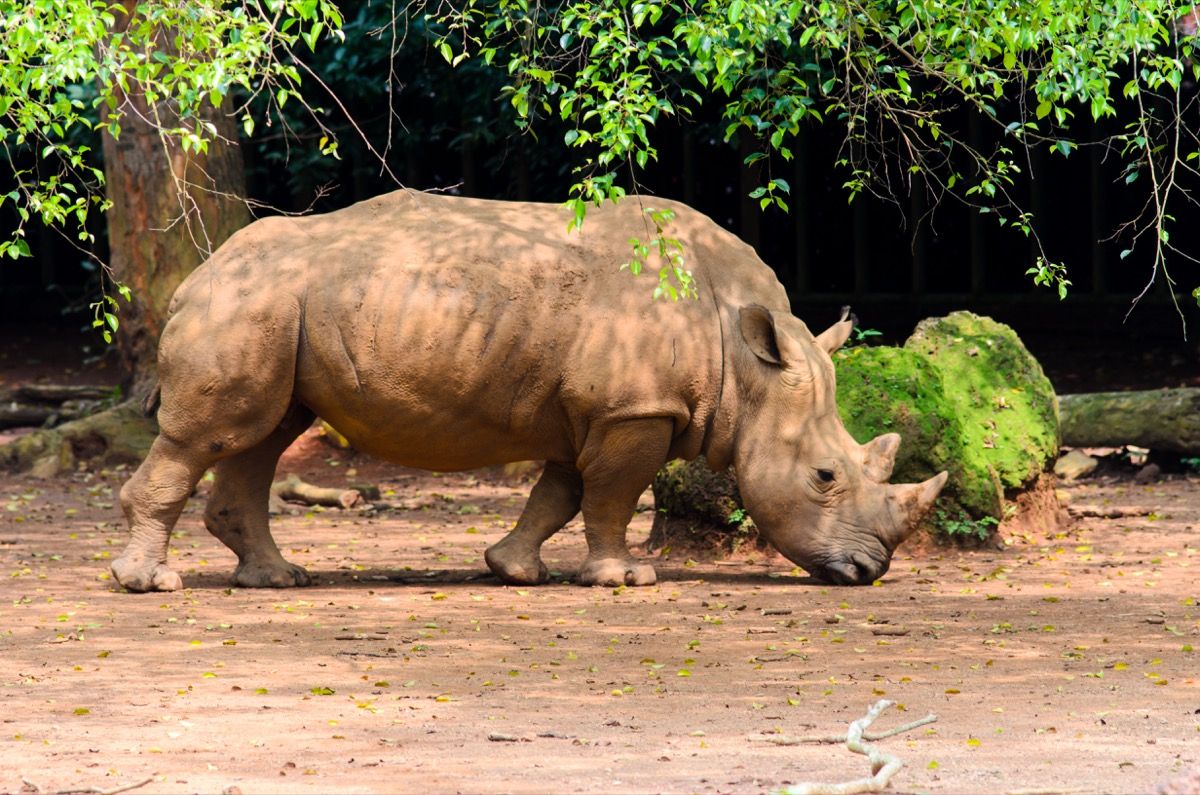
[60, 393]
[293, 489]
[20, 414]
[1161, 419]
[24, 415]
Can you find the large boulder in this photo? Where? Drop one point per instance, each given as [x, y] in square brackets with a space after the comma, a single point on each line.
[1004, 401]
[883, 390]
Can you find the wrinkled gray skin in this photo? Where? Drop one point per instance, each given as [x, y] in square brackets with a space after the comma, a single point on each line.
[449, 333]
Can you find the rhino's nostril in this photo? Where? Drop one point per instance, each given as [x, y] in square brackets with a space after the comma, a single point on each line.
[841, 573]
[869, 568]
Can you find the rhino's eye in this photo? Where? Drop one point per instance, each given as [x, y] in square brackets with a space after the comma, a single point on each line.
[826, 475]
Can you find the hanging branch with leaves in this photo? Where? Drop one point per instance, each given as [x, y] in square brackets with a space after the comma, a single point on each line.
[892, 74]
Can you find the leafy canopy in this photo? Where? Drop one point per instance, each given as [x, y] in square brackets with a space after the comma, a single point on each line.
[891, 73]
[66, 67]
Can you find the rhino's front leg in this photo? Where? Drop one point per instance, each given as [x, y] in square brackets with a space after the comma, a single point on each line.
[152, 500]
[553, 502]
[618, 463]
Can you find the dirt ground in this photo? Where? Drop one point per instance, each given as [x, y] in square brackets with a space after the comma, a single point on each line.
[1063, 662]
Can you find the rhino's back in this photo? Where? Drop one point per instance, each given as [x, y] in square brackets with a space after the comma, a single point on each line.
[448, 333]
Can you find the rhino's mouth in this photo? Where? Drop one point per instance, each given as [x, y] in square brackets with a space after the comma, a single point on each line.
[855, 568]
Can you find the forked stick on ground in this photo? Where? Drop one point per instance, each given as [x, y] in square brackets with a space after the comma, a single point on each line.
[883, 766]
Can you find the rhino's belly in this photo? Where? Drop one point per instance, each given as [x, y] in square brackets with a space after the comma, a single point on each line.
[445, 419]
[449, 444]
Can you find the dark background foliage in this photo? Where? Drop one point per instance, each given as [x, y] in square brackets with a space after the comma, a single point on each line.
[894, 259]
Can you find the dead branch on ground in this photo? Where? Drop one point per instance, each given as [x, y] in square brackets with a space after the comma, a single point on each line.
[36, 790]
[293, 489]
[833, 739]
[883, 766]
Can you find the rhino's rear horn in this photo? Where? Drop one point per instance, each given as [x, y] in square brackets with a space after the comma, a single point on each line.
[879, 456]
[836, 335]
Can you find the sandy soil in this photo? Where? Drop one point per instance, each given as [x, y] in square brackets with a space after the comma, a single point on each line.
[1061, 663]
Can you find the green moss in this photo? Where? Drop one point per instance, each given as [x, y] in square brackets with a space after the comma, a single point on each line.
[691, 487]
[882, 390]
[698, 511]
[1003, 399]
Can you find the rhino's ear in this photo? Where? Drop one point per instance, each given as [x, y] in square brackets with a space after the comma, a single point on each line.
[758, 330]
[836, 335]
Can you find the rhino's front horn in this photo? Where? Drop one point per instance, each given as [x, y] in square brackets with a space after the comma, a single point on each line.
[910, 502]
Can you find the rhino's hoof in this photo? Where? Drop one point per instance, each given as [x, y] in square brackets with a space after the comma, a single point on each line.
[141, 575]
[515, 569]
[287, 575]
[616, 571]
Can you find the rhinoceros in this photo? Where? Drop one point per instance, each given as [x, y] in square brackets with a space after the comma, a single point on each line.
[450, 333]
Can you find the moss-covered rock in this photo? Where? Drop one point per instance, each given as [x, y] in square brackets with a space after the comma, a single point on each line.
[1004, 401]
[884, 390]
[698, 509]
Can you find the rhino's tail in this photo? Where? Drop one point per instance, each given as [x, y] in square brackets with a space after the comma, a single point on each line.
[152, 401]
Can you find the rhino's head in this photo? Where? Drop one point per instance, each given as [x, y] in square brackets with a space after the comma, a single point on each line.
[819, 497]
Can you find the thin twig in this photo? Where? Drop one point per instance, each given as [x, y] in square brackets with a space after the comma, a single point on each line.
[125, 788]
[90, 790]
[833, 739]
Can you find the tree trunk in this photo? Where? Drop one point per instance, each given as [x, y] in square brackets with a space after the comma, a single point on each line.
[170, 211]
[1163, 419]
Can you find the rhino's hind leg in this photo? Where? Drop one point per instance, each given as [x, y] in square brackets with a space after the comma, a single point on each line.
[618, 464]
[237, 510]
[152, 500]
[553, 502]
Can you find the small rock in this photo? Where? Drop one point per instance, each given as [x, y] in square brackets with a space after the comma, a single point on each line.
[1074, 465]
[1148, 473]
[499, 737]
